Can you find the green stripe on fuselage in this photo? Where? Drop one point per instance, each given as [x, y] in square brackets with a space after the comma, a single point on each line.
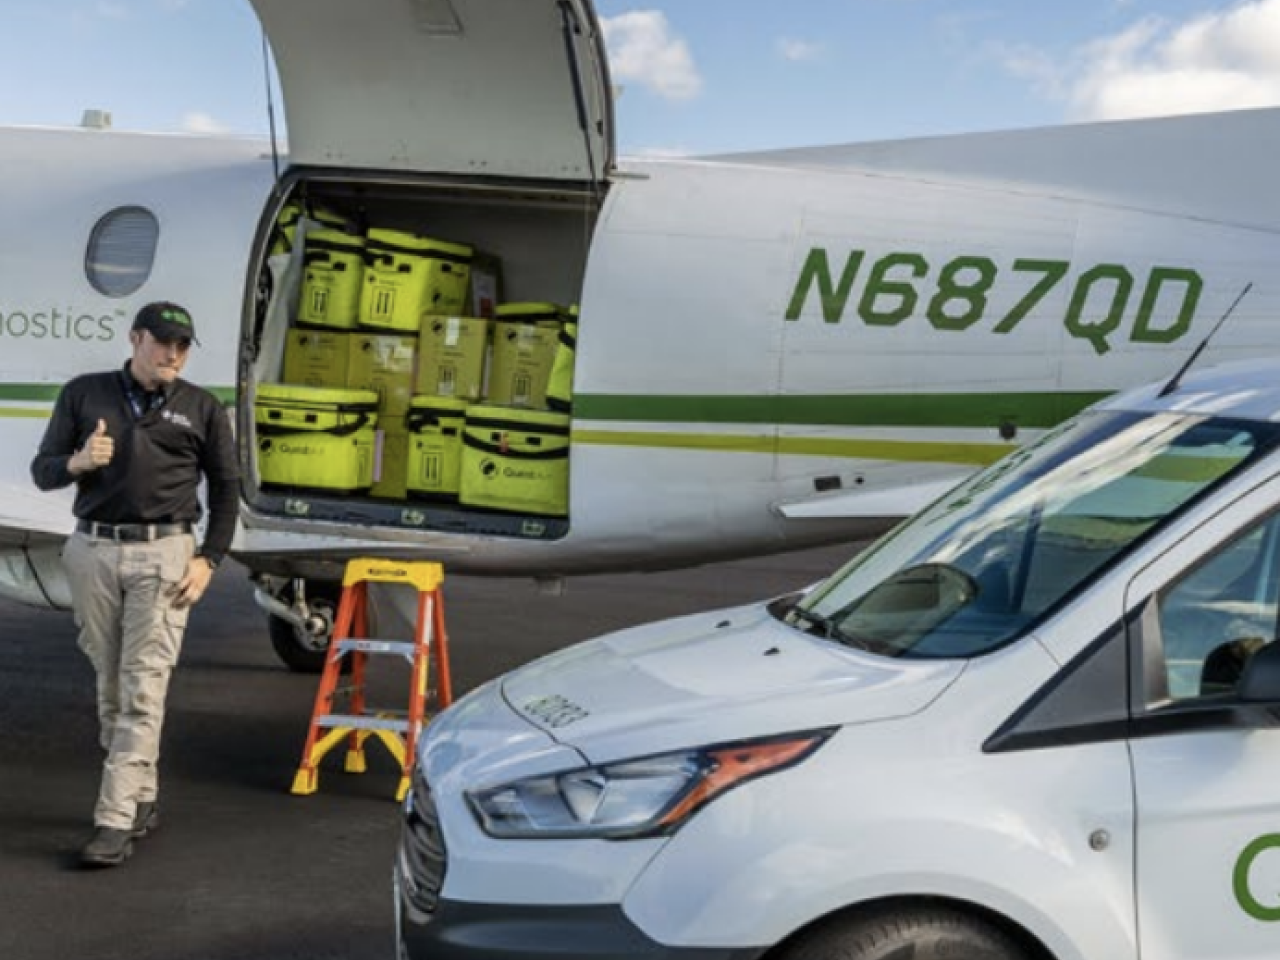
[919, 411]
[902, 451]
[1030, 410]
[29, 391]
[48, 393]
[24, 413]
[942, 410]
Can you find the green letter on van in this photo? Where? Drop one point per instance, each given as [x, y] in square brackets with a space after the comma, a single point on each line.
[1240, 880]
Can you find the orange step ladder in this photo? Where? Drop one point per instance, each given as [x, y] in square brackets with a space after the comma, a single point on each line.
[396, 730]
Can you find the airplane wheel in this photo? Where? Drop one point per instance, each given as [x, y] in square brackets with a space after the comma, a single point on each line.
[303, 651]
[889, 933]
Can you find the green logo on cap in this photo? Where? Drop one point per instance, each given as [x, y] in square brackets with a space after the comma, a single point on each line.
[177, 316]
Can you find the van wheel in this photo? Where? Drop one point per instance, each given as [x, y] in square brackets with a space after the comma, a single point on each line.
[907, 933]
[303, 651]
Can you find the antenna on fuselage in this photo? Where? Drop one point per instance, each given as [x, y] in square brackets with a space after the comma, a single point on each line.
[1172, 385]
[271, 104]
[96, 119]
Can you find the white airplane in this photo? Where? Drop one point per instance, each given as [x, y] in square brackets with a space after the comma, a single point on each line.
[775, 350]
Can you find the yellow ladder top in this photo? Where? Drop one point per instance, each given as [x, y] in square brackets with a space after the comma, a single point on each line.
[425, 575]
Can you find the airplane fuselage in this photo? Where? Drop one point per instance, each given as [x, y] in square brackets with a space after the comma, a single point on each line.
[773, 352]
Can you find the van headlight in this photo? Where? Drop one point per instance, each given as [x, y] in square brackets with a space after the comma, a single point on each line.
[648, 796]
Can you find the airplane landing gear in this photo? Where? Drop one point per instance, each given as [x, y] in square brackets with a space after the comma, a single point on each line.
[300, 619]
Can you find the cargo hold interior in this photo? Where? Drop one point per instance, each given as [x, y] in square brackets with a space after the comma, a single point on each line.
[409, 363]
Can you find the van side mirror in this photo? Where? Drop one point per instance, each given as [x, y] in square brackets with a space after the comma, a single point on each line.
[1260, 682]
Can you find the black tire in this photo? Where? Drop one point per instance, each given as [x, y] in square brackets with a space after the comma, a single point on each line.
[298, 650]
[907, 933]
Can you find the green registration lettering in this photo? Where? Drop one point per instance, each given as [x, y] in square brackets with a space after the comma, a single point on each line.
[879, 287]
[896, 282]
[1143, 331]
[965, 281]
[1051, 272]
[1097, 331]
[817, 269]
[1240, 880]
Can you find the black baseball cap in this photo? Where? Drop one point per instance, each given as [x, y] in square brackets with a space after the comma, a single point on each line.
[166, 321]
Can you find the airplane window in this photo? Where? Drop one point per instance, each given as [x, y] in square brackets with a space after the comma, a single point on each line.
[122, 250]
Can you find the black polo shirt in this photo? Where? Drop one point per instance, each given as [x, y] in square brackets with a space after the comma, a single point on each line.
[163, 444]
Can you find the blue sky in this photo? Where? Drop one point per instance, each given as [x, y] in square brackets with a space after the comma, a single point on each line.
[706, 76]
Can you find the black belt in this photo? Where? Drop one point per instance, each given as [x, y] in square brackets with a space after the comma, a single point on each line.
[132, 532]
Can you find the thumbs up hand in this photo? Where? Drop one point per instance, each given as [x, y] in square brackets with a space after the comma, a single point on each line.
[96, 452]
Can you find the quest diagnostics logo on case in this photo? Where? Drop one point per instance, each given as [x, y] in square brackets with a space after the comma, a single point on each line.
[57, 324]
[1259, 859]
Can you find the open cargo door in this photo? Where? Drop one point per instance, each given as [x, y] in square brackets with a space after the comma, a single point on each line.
[482, 88]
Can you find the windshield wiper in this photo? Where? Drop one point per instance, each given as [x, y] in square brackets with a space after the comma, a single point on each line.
[825, 627]
[840, 635]
[811, 622]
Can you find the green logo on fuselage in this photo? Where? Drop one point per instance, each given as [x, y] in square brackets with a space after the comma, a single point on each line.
[55, 324]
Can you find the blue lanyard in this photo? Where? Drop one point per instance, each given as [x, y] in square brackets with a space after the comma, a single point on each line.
[144, 403]
[140, 401]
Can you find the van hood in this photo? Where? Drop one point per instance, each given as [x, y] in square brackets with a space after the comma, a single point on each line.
[714, 677]
[482, 88]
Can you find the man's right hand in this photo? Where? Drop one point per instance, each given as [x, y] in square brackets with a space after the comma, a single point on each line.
[96, 452]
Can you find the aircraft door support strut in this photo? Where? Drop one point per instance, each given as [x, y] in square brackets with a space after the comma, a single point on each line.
[397, 730]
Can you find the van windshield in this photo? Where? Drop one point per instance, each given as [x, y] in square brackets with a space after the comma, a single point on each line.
[994, 556]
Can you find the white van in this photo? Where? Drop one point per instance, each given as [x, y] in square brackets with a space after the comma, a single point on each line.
[1039, 721]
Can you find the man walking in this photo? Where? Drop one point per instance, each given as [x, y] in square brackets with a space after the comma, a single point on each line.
[136, 442]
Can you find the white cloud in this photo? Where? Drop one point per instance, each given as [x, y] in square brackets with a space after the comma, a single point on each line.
[203, 123]
[798, 50]
[1046, 75]
[1216, 61]
[642, 49]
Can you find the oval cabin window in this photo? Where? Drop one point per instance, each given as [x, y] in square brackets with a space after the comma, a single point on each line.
[122, 250]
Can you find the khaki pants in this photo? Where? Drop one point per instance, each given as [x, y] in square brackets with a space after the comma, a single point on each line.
[130, 630]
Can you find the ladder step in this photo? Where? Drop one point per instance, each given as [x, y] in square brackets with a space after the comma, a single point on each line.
[402, 647]
[347, 691]
[361, 723]
[427, 653]
[425, 575]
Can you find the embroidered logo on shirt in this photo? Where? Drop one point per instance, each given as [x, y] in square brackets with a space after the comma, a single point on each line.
[178, 418]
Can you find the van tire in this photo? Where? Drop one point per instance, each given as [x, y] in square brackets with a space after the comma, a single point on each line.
[898, 932]
[297, 650]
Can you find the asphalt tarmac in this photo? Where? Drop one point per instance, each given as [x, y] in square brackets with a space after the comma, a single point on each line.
[240, 869]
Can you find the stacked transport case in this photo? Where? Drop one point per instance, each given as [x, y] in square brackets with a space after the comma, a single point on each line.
[402, 377]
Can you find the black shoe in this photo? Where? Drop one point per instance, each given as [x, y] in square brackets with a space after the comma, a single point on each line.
[146, 819]
[108, 848]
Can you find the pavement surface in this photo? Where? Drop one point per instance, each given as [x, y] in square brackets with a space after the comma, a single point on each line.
[240, 869]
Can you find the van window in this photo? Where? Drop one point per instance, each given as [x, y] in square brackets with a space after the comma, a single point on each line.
[121, 251]
[1002, 551]
[1215, 617]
